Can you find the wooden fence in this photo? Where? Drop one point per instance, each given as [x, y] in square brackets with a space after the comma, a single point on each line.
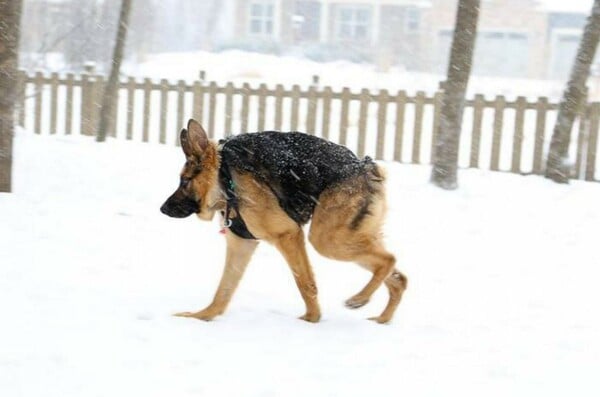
[499, 134]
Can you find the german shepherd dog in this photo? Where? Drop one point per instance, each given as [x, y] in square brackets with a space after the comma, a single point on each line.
[266, 186]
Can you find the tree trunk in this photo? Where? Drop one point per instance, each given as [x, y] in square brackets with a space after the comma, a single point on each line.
[445, 156]
[109, 99]
[557, 168]
[9, 59]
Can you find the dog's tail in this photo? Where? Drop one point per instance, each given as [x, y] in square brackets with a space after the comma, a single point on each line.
[374, 171]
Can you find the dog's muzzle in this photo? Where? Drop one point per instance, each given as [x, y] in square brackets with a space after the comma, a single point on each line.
[179, 207]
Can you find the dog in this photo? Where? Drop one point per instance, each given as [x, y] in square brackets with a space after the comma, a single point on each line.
[266, 187]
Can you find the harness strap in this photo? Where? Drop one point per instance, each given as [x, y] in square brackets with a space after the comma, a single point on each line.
[236, 224]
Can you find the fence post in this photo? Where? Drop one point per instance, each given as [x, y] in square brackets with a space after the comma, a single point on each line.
[69, 104]
[326, 116]
[497, 137]
[180, 108]
[418, 129]
[198, 101]
[593, 142]
[21, 95]
[540, 135]
[295, 107]
[381, 123]
[97, 92]
[212, 108]
[365, 97]
[278, 107]
[344, 115]
[147, 107]
[53, 102]
[87, 100]
[114, 110]
[245, 106]
[262, 106]
[130, 107]
[164, 108]
[399, 135]
[311, 113]
[39, 96]
[518, 136]
[228, 108]
[476, 133]
[582, 136]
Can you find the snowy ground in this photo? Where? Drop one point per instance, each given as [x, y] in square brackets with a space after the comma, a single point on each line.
[502, 299]
[241, 67]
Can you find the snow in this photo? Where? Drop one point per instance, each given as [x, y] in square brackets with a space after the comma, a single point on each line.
[502, 296]
[247, 67]
[580, 6]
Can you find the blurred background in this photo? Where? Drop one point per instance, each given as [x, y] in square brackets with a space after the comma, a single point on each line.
[532, 40]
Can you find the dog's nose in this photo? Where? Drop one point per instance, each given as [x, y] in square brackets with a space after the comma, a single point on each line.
[164, 209]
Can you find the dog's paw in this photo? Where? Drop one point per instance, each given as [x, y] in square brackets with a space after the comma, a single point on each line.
[380, 319]
[356, 301]
[311, 317]
[205, 315]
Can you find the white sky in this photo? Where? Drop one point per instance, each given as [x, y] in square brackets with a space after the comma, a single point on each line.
[567, 5]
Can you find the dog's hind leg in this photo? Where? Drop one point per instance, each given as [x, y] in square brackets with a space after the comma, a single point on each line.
[380, 263]
[369, 253]
[396, 285]
[239, 252]
[347, 226]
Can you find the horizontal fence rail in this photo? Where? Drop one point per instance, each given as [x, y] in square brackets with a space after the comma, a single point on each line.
[498, 134]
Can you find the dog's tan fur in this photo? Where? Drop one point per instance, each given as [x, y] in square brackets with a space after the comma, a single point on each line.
[332, 232]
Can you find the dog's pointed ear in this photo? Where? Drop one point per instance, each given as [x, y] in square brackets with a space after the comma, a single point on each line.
[185, 143]
[196, 137]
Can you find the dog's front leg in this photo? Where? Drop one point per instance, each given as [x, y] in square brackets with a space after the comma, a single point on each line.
[239, 252]
[292, 247]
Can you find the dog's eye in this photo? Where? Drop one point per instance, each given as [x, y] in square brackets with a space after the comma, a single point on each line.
[184, 182]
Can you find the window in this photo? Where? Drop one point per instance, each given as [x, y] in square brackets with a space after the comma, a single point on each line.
[353, 22]
[569, 39]
[517, 36]
[412, 19]
[497, 52]
[261, 18]
[493, 35]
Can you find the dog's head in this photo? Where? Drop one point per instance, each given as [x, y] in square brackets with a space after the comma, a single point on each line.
[198, 182]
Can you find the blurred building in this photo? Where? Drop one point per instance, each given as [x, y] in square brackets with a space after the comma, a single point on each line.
[511, 39]
[563, 35]
[517, 38]
[385, 31]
